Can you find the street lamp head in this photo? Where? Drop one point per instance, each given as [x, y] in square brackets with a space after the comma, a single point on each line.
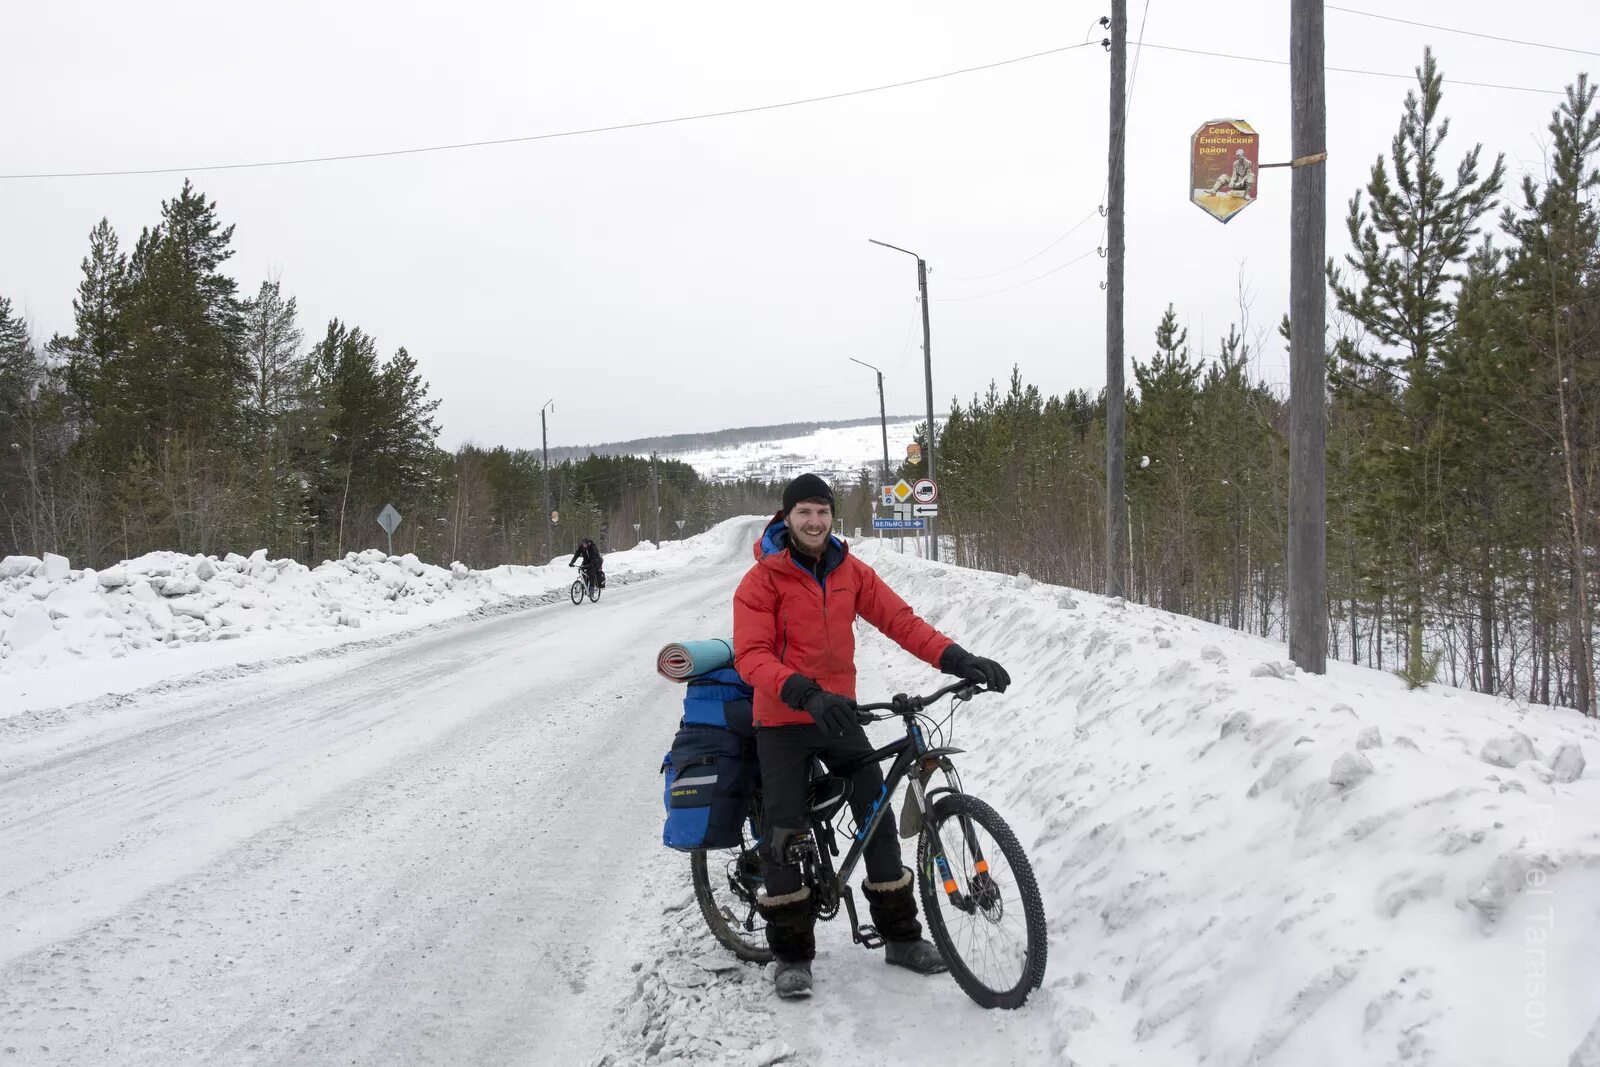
[897, 248]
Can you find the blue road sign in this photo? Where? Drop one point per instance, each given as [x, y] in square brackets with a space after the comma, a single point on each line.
[899, 524]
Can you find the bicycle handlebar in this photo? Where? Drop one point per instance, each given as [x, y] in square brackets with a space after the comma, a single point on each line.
[906, 705]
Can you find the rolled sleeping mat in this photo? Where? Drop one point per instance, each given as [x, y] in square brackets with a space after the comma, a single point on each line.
[685, 659]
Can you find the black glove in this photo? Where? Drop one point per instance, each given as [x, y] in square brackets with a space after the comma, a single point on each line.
[835, 714]
[963, 664]
[572, 563]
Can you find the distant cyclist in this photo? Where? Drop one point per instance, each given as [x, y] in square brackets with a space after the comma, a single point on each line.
[593, 562]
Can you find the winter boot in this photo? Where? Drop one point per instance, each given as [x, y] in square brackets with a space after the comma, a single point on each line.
[791, 934]
[894, 913]
[793, 979]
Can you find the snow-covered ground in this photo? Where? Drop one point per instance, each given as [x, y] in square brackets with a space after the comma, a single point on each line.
[836, 453]
[445, 849]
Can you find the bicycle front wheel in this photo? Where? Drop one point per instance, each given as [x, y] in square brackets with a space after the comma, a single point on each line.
[984, 912]
[577, 591]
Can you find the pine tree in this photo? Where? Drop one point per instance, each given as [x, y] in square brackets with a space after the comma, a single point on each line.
[280, 414]
[1554, 281]
[97, 337]
[1411, 236]
[182, 372]
[1162, 491]
[20, 378]
[19, 365]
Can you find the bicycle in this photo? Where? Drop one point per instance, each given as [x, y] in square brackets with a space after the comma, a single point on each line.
[966, 902]
[586, 585]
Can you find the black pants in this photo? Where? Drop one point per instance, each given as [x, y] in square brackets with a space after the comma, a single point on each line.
[786, 753]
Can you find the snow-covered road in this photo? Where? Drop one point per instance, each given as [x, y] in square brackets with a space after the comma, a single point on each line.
[425, 853]
[444, 849]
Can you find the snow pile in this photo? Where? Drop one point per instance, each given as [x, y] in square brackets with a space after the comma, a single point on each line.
[51, 615]
[1242, 864]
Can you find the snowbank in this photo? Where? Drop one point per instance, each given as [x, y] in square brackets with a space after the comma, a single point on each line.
[68, 635]
[1248, 865]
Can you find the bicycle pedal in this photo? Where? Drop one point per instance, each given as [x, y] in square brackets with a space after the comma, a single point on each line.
[867, 937]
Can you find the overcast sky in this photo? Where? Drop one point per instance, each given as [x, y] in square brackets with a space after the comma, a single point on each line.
[714, 273]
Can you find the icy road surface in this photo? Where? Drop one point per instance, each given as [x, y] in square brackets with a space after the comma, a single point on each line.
[428, 853]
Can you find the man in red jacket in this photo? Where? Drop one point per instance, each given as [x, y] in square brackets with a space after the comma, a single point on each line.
[794, 642]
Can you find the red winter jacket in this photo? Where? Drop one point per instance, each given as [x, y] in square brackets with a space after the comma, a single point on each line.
[786, 622]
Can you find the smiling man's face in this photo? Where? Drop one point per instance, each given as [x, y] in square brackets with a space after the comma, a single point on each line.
[809, 524]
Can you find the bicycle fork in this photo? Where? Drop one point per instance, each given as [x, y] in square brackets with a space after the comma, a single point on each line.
[982, 885]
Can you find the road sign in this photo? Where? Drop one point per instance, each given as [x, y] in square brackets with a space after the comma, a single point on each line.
[899, 524]
[903, 510]
[902, 491]
[925, 492]
[925, 511]
[389, 519]
[913, 453]
[1224, 162]
[636, 527]
[888, 496]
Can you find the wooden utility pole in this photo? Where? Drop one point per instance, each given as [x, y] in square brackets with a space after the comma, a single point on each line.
[544, 448]
[1308, 468]
[927, 366]
[1116, 497]
[655, 496]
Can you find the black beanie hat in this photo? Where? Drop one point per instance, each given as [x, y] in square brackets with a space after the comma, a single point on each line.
[806, 487]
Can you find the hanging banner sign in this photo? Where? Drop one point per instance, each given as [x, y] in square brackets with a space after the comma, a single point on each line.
[1224, 162]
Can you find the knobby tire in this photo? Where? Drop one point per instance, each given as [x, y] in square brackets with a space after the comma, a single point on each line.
[729, 934]
[948, 812]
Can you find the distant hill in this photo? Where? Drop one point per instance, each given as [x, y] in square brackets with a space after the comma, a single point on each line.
[716, 439]
[837, 450]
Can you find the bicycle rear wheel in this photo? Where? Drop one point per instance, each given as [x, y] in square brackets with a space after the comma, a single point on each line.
[994, 939]
[594, 592]
[725, 910]
[577, 591]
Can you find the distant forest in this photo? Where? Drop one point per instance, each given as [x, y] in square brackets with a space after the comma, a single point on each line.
[182, 412]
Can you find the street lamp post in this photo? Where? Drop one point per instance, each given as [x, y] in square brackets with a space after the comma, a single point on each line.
[927, 366]
[544, 447]
[883, 417]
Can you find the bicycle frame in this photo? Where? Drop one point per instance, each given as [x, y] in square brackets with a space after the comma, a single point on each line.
[908, 752]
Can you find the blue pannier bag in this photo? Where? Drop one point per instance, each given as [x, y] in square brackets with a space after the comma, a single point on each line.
[711, 770]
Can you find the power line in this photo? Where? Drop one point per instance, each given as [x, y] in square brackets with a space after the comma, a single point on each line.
[1467, 33]
[552, 136]
[1351, 70]
[1133, 75]
[1019, 285]
[984, 277]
